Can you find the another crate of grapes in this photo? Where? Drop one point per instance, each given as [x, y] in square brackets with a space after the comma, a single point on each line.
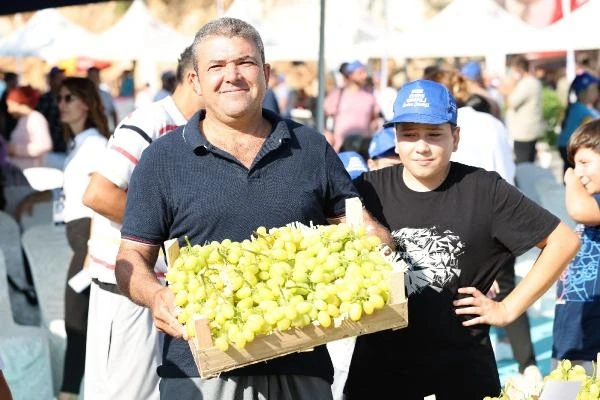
[283, 290]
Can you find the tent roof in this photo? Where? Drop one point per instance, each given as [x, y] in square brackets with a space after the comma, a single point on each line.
[139, 35]
[463, 28]
[48, 35]
[13, 6]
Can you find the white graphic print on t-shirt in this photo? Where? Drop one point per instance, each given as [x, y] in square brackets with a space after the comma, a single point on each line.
[432, 257]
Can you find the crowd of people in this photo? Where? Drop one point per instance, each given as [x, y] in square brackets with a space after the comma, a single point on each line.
[433, 161]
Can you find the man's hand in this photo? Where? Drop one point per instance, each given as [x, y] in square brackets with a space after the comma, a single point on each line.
[488, 311]
[164, 313]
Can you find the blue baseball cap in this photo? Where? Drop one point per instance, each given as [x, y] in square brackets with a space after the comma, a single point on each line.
[353, 66]
[424, 102]
[354, 163]
[583, 81]
[471, 70]
[382, 143]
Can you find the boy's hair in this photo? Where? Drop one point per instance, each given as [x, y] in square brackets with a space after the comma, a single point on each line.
[587, 136]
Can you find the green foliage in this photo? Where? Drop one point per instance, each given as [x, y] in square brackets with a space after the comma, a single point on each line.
[552, 109]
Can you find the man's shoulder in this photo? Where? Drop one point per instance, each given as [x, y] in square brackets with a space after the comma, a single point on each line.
[154, 119]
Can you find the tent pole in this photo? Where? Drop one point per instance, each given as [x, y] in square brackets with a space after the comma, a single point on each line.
[320, 117]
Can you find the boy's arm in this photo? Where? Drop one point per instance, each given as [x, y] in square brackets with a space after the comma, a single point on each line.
[581, 206]
[557, 251]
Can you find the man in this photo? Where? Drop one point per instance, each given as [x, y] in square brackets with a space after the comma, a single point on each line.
[108, 102]
[454, 225]
[123, 348]
[168, 81]
[524, 117]
[7, 121]
[48, 106]
[229, 170]
[471, 71]
[382, 149]
[354, 111]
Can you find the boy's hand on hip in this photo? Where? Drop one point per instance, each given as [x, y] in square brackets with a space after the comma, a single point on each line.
[486, 310]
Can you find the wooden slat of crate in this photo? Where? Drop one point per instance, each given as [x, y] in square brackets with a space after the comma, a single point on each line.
[212, 361]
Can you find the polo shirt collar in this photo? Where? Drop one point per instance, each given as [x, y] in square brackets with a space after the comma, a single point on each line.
[195, 138]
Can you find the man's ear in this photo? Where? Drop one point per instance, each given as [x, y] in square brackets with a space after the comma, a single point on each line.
[267, 70]
[192, 78]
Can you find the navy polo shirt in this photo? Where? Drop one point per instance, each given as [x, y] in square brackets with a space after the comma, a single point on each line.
[184, 186]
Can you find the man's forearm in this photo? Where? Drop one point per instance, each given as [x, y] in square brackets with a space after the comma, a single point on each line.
[134, 272]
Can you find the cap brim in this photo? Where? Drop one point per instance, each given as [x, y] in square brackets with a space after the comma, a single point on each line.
[417, 119]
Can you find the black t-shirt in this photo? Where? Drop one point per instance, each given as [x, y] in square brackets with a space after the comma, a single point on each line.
[457, 235]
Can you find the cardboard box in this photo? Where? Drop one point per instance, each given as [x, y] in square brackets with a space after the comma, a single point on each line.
[212, 361]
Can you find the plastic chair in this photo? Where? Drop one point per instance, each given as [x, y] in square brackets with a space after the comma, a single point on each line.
[24, 350]
[48, 253]
[44, 178]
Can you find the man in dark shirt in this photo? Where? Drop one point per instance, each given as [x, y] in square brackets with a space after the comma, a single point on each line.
[232, 168]
[48, 106]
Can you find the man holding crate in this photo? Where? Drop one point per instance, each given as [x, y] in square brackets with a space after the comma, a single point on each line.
[455, 226]
[230, 169]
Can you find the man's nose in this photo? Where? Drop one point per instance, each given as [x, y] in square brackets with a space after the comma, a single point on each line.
[231, 72]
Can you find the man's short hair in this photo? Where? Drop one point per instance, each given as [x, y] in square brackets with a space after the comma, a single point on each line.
[520, 61]
[185, 62]
[228, 27]
[586, 136]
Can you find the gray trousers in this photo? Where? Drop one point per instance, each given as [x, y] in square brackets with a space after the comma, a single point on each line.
[273, 387]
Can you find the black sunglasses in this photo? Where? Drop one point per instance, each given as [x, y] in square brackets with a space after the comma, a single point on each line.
[67, 98]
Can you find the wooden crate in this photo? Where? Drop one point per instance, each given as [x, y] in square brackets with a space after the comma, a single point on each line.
[212, 361]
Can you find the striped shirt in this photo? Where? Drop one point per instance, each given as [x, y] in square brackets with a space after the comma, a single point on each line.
[133, 135]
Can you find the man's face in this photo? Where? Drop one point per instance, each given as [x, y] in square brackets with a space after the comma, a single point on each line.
[359, 76]
[587, 168]
[231, 76]
[425, 150]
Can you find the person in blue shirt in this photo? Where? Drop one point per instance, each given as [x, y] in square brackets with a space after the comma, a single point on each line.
[585, 89]
[577, 311]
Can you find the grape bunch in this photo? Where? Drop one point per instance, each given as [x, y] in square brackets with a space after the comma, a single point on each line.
[280, 278]
[565, 371]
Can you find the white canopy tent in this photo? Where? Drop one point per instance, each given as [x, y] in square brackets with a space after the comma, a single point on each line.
[138, 35]
[47, 35]
[464, 28]
[579, 30]
[290, 31]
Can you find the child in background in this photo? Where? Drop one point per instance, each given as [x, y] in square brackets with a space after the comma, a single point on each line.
[382, 149]
[577, 311]
[354, 163]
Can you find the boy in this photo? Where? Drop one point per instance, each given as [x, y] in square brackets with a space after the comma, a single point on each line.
[577, 312]
[455, 226]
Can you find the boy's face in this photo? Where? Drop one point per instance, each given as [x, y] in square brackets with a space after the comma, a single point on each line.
[587, 168]
[425, 151]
